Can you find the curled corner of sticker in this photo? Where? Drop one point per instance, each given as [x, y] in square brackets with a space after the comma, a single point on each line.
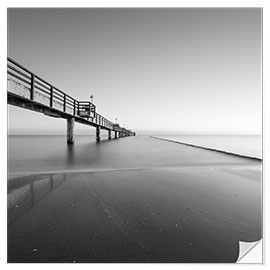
[250, 252]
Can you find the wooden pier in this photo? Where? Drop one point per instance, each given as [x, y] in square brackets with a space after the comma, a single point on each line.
[27, 90]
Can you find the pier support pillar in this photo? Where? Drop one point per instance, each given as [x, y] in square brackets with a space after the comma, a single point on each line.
[115, 134]
[109, 134]
[97, 134]
[70, 131]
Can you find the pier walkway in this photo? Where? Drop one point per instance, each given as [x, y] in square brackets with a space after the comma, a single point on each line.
[29, 91]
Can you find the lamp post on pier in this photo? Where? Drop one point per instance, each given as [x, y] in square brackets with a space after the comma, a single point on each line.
[91, 98]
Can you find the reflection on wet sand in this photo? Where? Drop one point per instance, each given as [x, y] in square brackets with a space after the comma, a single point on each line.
[139, 200]
[24, 193]
[196, 214]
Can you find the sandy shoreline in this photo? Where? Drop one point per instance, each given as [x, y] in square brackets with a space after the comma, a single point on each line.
[155, 215]
[151, 201]
[19, 175]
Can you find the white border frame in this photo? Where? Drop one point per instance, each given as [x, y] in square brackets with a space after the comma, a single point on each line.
[265, 4]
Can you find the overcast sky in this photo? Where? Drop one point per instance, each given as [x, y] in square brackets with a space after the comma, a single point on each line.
[156, 70]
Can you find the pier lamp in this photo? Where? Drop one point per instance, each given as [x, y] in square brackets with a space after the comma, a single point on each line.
[91, 98]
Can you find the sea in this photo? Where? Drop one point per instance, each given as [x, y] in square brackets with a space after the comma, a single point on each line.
[51, 152]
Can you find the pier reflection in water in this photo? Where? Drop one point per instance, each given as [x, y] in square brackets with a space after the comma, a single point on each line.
[25, 192]
[130, 200]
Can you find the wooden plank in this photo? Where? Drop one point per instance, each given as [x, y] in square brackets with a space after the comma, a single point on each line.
[55, 94]
[19, 72]
[17, 77]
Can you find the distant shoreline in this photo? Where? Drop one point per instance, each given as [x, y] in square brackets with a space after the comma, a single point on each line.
[208, 148]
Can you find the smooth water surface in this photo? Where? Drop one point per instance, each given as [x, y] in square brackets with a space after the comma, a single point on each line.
[246, 145]
[135, 199]
[36, 154]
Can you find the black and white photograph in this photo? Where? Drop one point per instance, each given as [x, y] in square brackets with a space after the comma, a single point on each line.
[134, 135]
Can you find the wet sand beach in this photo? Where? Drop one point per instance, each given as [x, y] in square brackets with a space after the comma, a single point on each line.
[140, 200]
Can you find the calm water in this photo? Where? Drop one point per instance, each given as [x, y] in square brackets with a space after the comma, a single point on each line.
[162, 202]
[243, 145]
[51, 153]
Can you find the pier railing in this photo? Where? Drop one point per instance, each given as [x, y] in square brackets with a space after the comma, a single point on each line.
[24, 83]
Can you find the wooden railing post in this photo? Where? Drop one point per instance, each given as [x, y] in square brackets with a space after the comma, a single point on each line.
[74, 107]
[32, 86]
[64, 105]
[54, 98]
[51, 97]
